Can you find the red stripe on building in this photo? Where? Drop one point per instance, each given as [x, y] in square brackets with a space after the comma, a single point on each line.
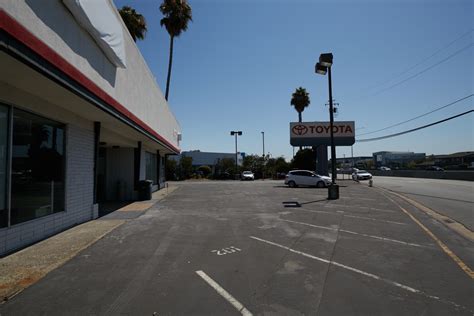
[15, 29]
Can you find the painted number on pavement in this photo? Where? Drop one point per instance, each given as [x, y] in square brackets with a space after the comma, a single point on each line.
[225, 251]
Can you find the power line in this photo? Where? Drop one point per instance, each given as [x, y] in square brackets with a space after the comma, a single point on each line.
[424, 70]
[423, 60]
[421, 115]
[414, 129]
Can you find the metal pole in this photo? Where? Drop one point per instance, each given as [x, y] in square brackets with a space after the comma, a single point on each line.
[263, 155]
[352, 155]
[331, 118]
[236, 152]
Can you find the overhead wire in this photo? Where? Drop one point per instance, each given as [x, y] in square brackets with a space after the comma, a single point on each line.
[422, 61]
[413, 129]
[419, 116]
[424, 70]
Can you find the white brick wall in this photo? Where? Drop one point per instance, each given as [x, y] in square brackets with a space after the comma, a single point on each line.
[79, 194]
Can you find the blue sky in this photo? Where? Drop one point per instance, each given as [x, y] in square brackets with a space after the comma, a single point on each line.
[240, 60]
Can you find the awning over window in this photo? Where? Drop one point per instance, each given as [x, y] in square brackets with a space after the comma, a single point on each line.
[97, 17]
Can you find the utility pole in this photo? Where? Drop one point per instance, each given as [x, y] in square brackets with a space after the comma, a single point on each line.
[263, 155]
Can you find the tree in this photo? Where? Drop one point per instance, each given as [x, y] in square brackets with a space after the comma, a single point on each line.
[300, 100]
[170, 169]
[135, 22]
[186, 167]
[304, 159]
[177, 14]
[206, 170]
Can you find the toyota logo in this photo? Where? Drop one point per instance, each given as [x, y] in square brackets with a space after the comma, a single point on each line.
[300, 130]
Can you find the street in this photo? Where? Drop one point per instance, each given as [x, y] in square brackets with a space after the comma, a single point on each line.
[260, 248]
[452, 198]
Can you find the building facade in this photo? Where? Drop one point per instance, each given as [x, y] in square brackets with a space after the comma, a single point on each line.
[396, 158]
[82, 119]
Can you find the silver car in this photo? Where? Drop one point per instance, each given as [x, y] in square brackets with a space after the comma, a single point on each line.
[247, 175]
[297, 178]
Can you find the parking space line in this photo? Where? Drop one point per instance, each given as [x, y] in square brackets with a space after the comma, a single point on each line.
[375, 219]
[353, 216]
[361, 234]
[367, 274]
[232, 300]
[361, 207]
[442, 245]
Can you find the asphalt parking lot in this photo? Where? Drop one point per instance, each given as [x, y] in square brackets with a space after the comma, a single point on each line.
[230, 248]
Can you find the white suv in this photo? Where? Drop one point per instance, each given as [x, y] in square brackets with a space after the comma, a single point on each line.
[306, 178]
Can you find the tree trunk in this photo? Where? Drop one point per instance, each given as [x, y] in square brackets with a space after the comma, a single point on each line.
[170, 64]
[300, 120]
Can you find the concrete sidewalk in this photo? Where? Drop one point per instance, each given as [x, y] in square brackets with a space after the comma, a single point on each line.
[25, 267]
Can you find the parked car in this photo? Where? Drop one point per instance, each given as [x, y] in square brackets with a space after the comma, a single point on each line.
[384, 168]
[435, 168]
[361, 175]
[296, 178]
[247, 175]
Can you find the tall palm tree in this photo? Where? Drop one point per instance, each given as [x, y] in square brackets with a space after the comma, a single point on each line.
[135, 22]
[177, 14]
[300, 100]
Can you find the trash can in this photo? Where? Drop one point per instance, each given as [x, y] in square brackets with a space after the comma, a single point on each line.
[333, 192]
[144, 190]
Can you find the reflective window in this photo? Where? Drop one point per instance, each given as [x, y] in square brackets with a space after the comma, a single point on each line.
[150, 167]
[37, 167]
[3, 164]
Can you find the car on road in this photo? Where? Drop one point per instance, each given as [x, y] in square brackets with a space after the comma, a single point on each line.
[297, 178]
[247, 175]
[384, 168]
[361, 175]
[434, 168]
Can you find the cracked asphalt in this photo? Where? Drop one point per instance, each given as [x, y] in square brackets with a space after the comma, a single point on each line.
[359, 255]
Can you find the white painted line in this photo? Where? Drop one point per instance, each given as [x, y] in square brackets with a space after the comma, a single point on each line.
[353, 216]
[374, 219]
[224, 293]
[361, 207]
[360, 234]
[367, 274]
[323, 212]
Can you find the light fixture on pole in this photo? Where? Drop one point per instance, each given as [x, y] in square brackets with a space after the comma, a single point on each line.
[322, 67]
[236, 133]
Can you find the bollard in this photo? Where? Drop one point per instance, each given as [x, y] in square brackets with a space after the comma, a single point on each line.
[371, 183]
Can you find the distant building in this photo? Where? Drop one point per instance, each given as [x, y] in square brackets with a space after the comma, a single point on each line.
[459, 159]
[396, 158]
[201, 158]
[358, 161]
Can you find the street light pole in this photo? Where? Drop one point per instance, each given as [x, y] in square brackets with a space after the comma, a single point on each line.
[322, 67]
[236, 133]
[331, 123]
[263, 156]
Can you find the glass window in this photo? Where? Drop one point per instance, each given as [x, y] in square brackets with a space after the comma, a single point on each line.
[150, 167]
[37, 167]
[3, 164]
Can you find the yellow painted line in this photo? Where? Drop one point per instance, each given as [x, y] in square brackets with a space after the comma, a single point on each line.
[443, 246]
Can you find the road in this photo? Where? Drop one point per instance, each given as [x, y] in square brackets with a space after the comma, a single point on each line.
[235, 248]
[452, 198]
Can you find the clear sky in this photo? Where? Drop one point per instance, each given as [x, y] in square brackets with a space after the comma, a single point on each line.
[240, 60]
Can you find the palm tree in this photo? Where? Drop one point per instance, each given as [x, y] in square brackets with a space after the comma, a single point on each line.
[135, 22]
[300, 100]
[177, 14]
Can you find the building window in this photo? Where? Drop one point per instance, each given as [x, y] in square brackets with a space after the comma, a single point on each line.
[3, 165]
[150, 167]
[38, 160]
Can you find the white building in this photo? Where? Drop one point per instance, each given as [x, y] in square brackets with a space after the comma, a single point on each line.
[82, 119]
